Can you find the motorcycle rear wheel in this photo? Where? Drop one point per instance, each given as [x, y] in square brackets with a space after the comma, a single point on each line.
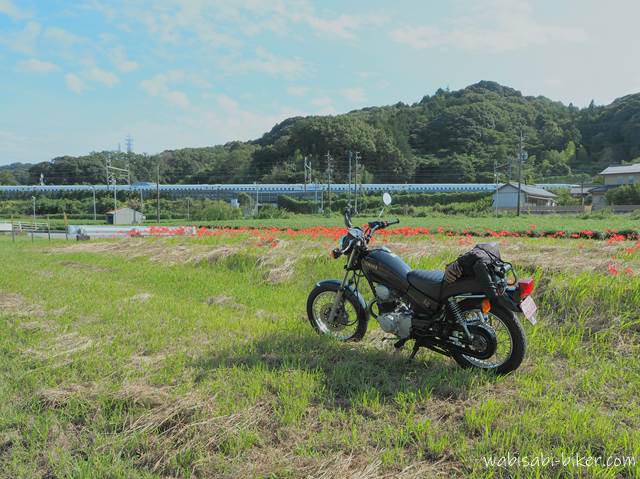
[509, 356]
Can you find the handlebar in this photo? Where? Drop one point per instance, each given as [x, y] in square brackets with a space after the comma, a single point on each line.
[373, 226]
[376, 225]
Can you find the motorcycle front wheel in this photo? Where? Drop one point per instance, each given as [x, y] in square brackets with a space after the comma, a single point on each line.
[349, 322]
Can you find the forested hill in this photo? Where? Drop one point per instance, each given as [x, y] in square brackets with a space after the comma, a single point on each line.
[451, 136]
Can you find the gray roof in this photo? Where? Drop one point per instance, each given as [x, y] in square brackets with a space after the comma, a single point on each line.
[531, 190]
[578, 190]
[110, 212]
[620, 170]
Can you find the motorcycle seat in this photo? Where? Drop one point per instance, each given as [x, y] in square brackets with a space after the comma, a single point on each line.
[427, 281]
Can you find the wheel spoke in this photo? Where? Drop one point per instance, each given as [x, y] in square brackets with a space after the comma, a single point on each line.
[504, 347]
[343, 325]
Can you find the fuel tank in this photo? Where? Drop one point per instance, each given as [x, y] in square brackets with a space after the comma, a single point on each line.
[382, 266]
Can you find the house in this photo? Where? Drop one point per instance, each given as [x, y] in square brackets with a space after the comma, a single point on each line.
[621, 175]
[506, 196]
[614, 176]
[582, 191]
[124, 216]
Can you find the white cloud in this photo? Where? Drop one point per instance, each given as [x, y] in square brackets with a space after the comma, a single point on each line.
[33, 65]
[75, 83]
[342, 26]
[227, 103]
[102, 76]
[355, 95]
[324, 105]
[267, 62]
[493, 25]
[62, 36]
[296, 90]
[120, 61]
[23, 41]
[9, 9]
[224, 23]
[160, 86]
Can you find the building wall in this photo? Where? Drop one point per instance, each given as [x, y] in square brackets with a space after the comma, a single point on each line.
[598, 200]
[126, 217]
[507, 197]
[621, 179]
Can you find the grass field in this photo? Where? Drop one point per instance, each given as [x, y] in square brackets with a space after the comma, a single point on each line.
[594, 222]
[460, 222]
[192, 357]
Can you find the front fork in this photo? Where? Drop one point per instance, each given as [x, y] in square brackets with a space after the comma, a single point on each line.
[335, 307]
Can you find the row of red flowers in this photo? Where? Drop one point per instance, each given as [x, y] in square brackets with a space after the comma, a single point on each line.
[336, 232]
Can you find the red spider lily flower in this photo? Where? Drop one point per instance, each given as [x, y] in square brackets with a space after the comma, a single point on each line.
[628, 271]
[614, 238]
[613, 271]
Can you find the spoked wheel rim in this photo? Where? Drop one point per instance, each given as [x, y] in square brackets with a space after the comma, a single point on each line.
[345, 323]
[504, 348]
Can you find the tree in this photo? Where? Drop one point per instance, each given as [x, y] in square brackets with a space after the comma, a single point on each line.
[448, 136]
[7, 178]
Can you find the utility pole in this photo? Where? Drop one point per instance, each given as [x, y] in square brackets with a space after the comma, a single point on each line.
[349, 176]
[95, 216]
[329, 176]
[307, 172]
[158, 193]
[522, 156]
[113, 173]
[129, 142]
[355, 208]
[495, 179]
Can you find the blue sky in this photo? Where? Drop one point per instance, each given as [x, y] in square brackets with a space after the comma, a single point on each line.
[77, 76]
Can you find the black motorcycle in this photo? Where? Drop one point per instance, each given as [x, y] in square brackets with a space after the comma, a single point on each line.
[458, 319]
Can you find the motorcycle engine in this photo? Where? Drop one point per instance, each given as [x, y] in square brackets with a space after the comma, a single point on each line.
[394, 318]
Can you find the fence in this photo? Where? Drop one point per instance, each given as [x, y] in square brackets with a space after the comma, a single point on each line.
[32, 228]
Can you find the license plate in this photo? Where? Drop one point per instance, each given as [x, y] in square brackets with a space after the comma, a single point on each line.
[529, 308]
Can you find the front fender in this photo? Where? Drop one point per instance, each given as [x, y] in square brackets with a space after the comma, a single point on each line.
[349, 289]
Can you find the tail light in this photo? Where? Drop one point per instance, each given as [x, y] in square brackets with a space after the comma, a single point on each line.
[525, 287]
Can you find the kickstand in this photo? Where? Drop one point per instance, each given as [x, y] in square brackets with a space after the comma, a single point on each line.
[416, 347]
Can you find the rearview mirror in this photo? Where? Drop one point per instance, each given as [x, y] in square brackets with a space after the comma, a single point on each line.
[386, 199]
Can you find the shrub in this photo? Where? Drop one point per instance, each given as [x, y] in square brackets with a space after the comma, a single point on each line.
[624, 195]
[216, 210]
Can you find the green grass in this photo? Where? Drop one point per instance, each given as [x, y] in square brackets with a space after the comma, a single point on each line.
[457, 222]
[193, 358]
